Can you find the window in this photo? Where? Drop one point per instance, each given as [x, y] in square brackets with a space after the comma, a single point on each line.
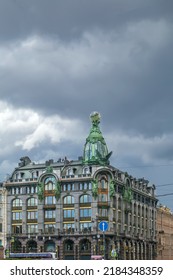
[69, 228]
[16, 229]
[85, 186]
[32, 189]
[88, 151]
[68, 187]
[69, 172]
[103, 197]
[0, 227]
[50, 200]
[86, 170]
[35, 174]
[32, 201]
[17, 202]
[32, 228]
[16, 190]
[32, 215]
[85, 227]
[68, 213]
[68, 199]
[86, 198]
[50, 183]
[69, 245]
[49, 214]
[103, 212]
[16, 216]
[85, 245]
[49, 228]
[86, 212]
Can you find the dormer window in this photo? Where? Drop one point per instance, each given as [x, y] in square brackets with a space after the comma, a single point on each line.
[86, 170]
[69, 172]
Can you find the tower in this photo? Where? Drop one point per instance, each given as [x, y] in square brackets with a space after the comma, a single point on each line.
[95, 149]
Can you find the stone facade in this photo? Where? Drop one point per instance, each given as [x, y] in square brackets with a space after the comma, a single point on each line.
[164, 234]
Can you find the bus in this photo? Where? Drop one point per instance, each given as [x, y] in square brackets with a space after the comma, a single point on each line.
[33, 256]
[96, 257]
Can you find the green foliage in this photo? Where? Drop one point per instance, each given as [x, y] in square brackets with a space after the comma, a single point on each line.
[94, 188]
[40, 187]
[58, 190]
[112, 188]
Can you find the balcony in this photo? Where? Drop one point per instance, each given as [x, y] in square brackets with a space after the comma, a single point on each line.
[34, 207]
[69, 219]
[16, 208]
[82, 219]
[17, 221]
[31, 221]
[51, 220]
[68, 205]
[20, 181]
[49, 206]
[103, 204]
[47, 192]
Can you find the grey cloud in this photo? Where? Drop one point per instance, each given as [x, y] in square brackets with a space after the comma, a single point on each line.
[68, 19]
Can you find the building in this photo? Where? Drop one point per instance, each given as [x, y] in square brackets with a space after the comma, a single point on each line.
[2, 220]
[58, 206]
[1, 215]
[164, 233]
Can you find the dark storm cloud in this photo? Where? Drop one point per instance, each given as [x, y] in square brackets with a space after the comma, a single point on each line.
[68, 19]
[127, 76]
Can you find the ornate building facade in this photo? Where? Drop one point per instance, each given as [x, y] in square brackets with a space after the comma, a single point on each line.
[57, 206]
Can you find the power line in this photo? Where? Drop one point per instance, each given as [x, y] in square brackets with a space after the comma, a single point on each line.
[166, 194]
[158, 186]
[145, 166]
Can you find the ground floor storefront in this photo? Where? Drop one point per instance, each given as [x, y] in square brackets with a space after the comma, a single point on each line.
[83, 247]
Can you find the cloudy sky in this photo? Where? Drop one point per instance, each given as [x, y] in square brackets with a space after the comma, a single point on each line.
[62, 59]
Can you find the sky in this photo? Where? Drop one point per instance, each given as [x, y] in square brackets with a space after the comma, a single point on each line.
[60, 60]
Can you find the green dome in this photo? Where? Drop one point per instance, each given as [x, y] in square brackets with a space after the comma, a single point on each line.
[95, 149]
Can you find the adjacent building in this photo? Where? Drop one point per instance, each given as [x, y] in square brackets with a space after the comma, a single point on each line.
[58, 206]
[2, 216]
[164, 233]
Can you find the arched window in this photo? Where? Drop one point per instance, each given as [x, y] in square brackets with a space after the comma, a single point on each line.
[86, 198]
[17, 202]
[86, 170]
[103, 183]
[68, 245]
[32, 201]
[85, 245]
[49, 183]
